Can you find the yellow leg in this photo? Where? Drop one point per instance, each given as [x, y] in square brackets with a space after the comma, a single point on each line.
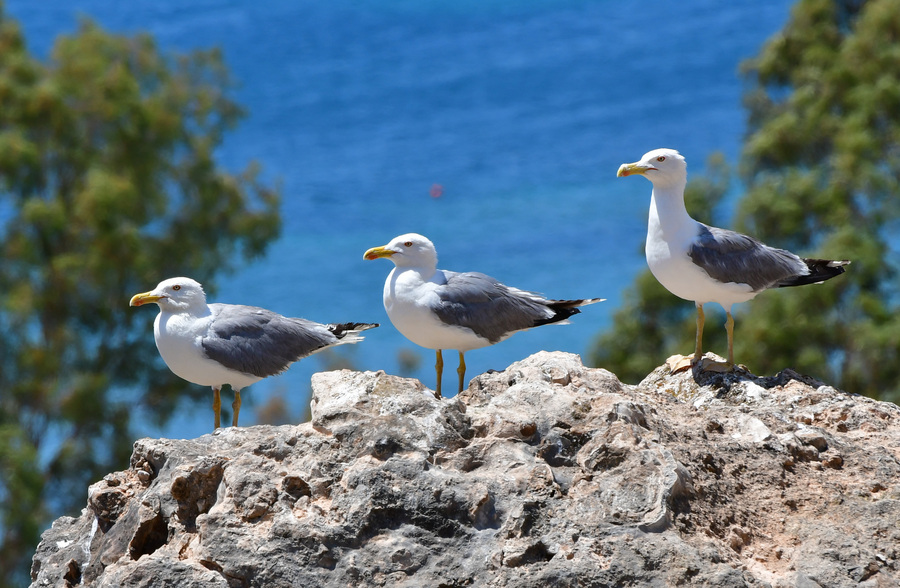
[729, 329]
[698, 344]
[461, 370]
[217, 406]
[236, 406]
[439, 368]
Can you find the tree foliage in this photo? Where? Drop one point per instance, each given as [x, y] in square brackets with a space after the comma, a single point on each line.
[821, 167]
[108, 183]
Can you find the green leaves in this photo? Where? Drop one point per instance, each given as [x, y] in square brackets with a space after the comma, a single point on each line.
[821, 170]
[829, 148]
[107, 169]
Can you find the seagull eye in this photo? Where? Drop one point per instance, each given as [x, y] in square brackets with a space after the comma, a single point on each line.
[408, 244]
[661, 158]
[176, 287]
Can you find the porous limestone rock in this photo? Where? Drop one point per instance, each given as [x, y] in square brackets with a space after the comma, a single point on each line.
[545, 474]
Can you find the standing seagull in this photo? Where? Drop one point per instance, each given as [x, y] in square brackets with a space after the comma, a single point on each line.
[440, 309]
[218, 344]
[707, 264]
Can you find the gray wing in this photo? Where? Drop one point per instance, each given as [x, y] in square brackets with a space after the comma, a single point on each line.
[732, 257]
[260, 342]
[487, 307]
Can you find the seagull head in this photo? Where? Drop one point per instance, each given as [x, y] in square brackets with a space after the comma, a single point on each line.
[663, 167]
[173, 295]
[409, 250]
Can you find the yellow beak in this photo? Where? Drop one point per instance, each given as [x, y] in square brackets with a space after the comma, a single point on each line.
[631, 169]
[145, 298]
[377, 252]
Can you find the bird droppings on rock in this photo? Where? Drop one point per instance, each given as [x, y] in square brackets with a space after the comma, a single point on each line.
[546, 474]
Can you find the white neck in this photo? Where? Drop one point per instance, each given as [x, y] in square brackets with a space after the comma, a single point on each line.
[668, 216]
[425, 272]
[195, 310]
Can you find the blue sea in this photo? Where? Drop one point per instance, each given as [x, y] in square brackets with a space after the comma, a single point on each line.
[520, 110]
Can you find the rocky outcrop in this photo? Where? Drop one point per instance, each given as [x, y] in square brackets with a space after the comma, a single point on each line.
[545, 474]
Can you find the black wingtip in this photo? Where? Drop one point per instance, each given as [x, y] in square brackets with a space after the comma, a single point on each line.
[555, 304]
[820, 270]
[341, 330]
[563, 309]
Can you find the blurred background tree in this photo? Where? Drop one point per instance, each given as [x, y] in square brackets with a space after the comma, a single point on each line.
[821, 171]
[108, 184]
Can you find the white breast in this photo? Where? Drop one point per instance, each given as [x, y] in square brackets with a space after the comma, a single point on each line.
[668, 244]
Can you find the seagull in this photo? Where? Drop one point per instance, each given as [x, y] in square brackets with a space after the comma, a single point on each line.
[218, 344]
[440, 309]
[706, 264]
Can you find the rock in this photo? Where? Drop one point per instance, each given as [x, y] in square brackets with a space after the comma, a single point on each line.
[545, 474]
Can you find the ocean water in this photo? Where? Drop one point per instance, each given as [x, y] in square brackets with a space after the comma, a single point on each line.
[521, 111]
